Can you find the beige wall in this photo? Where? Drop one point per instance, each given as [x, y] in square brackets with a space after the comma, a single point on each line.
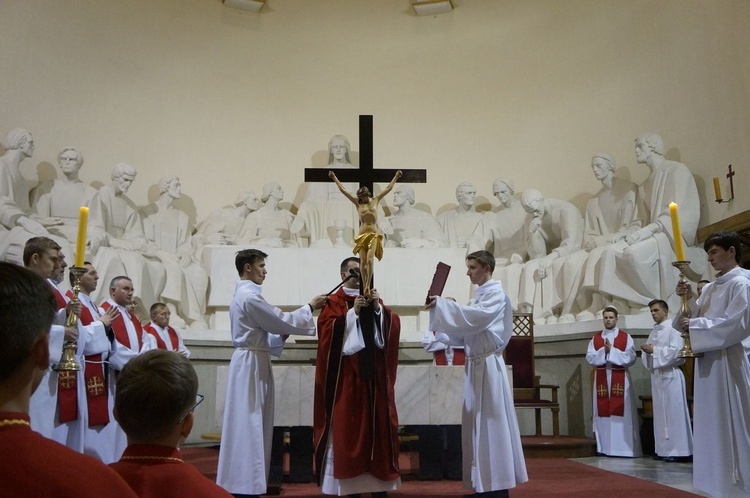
[526, 89]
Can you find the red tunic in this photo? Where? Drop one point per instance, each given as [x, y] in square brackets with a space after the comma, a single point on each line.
[173, 338]
[159, 472]
[364, 438]
[33, 465]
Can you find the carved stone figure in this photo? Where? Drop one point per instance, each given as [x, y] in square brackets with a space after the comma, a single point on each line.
[117, 239]
[222, 227]
[459, 224]
[169, 230]
[63, 197]
[638, 269]
[501, 233]
[270, 225]
[553, 231]
[610, 216]
[17, 223]
[413, 228]
[324, 206]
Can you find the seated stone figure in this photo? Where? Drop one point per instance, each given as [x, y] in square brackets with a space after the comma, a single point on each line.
[501, 233]
[411, 227]
[638, 269]
[117, 240]
[17, 221]
[323, 206]
[269, 226]
[553, 231]
[169, 230]
[459, 224]
[610, 216]
[63, 197]
[222, 227]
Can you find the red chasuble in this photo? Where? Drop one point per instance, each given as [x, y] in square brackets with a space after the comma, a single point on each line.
[611, 401]
[364, 434]
[149, 328]
[93, 374]
[67, 381]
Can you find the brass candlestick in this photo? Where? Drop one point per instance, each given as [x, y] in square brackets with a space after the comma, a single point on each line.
[68, 362]
[686, 351]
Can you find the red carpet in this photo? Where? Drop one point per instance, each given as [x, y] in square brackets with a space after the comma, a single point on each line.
[547, 477]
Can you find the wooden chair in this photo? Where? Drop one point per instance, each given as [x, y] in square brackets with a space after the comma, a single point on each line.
[527, 389]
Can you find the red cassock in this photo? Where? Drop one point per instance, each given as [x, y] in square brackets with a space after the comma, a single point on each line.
[364, 434]
[155, 471]
[33, 465]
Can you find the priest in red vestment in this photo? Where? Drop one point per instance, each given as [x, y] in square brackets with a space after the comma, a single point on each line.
[355, 419]
[31, 464]
[166, 336]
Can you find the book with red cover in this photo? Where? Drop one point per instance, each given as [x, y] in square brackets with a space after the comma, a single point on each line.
[438, 281]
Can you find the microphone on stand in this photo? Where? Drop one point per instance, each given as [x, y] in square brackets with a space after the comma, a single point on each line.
[352, 274]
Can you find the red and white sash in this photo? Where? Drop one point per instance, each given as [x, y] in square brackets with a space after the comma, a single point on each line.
[67, 381]
[150, 328]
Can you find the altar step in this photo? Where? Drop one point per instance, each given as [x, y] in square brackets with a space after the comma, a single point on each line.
[557, 447]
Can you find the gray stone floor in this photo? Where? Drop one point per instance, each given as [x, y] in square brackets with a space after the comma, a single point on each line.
[675, 475]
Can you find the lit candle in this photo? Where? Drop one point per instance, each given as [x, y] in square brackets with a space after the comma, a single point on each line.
[717, 190]
[83, 219]
[679, 250]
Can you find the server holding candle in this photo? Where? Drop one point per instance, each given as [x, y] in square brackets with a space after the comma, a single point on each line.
[721, 318]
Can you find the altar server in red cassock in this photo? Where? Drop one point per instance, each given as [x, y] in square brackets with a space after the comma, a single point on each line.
[611, 352]
[31, 464]
[157, 394]
[355, 419]
[166, 337]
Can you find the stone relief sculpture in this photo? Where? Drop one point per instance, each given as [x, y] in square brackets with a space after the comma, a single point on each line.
[552, 231]
[269, 226]
[325, 212]
[18, 223]
[501, 233]
[610, 216]
[222, 227]
[639, 269]
[169, 230]
[118, 242]
[63, 197]
[459, 224]
[411, 227]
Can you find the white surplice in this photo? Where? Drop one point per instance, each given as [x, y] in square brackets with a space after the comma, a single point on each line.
[247, 432]
[615, 435]
[721, 407]
[491, 442]
[673, 434]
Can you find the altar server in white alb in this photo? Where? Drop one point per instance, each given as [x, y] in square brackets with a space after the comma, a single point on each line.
[672, 432]
[611, 352]
[721, 407]
[493, 459]
[259, 330]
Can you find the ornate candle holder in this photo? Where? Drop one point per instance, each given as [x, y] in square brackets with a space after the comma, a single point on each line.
[68, 362]
[686, 351]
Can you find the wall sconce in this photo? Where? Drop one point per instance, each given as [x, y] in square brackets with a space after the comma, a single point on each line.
[432, 7]
[717, 187]
[248, 5]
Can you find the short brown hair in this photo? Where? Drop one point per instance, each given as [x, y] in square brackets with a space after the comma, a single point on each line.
[484, 258]
[154, 392]
[38, 245]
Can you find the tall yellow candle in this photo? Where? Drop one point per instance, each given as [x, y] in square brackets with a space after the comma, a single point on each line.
[717, 189]
[83, 219]
[679, 250]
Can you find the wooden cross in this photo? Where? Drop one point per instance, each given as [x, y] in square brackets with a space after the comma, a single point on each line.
[366, 175]
[730, 175]
[95, 386]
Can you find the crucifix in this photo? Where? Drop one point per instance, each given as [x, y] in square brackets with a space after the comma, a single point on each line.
[730, 175]
[366, 175]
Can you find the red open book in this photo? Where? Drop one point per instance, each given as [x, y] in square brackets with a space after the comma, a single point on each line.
[438, 281]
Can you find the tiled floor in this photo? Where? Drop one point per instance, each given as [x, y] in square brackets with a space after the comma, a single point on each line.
[675, 475]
